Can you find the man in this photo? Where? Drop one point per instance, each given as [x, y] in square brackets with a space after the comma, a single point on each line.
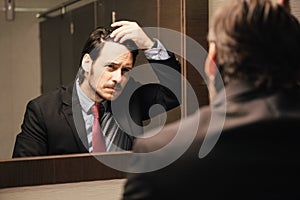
[255, 45]
[63, 122]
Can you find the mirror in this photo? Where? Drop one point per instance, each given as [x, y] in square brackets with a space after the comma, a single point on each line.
[33, 38]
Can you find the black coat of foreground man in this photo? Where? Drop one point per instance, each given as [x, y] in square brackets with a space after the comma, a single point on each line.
[255, 44]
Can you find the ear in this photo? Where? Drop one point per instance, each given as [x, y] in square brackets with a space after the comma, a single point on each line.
[210, 63]
[285, 4]
[86, 62]
[282, 2]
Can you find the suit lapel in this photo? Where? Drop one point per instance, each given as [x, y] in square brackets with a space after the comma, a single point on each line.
[74, 117]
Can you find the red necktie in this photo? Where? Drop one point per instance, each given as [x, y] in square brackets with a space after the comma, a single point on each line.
[98, 141]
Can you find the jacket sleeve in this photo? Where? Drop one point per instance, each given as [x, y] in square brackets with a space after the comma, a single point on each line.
[168, 92]
[32, 141]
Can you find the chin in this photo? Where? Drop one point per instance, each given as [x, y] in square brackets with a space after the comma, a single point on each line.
[114, 97]
[108, 97]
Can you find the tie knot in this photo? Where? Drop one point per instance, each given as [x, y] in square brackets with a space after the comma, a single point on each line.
[95, 110]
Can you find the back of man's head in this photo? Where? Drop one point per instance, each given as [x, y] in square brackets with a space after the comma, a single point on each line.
[257, 41]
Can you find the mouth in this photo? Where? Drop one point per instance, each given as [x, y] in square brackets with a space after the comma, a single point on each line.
[111, 88]
[114, 89]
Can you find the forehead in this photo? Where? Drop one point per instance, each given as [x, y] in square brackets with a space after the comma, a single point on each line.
[114, 52]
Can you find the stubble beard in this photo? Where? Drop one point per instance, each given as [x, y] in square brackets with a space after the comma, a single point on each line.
[95, 93]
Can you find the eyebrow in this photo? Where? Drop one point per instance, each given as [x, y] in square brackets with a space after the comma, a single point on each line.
[115, 63]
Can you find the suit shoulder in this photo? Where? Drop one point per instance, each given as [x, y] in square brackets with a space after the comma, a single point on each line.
[53, 97]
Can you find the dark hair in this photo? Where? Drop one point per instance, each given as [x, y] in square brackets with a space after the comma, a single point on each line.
[257, 41]
[94, 44]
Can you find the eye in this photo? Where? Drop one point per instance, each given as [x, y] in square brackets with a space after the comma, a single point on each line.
[110, 67]
[126, 69]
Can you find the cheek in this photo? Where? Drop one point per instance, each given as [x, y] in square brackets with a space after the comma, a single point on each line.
[101, 82]
[124, 80]
[98, 84]
[102, 78]
[98, 72]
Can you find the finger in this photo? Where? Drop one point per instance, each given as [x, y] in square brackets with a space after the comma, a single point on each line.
[120, 23]
[117, 31]
[124, 38]
[121, 35]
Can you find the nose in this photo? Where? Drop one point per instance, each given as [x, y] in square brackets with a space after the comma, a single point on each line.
[117, 76]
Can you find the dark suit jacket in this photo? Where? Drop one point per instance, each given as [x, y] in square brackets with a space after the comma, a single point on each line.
[48, 127]
[256, 156]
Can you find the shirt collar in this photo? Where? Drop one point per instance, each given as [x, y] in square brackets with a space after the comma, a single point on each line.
[85, 102]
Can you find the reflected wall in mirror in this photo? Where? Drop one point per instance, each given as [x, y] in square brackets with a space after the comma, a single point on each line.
[20, 67]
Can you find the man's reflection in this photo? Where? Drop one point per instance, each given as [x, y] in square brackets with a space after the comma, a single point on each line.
[62, 122]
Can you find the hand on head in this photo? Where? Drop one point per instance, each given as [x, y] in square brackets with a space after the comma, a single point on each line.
[131, 31]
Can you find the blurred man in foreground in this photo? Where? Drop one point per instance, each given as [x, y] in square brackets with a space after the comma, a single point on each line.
[254, 45]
